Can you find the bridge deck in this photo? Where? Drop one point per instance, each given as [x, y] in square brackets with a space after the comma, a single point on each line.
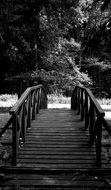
[57, 140]
[57, 155]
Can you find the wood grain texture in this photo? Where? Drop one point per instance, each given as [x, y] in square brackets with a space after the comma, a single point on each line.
[57, 140]
[57, 182]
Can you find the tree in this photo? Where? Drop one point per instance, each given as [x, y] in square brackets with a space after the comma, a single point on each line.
[96, 29]
[50, 27]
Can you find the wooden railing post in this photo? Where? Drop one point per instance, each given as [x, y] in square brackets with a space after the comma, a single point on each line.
[40, 100]
[90, 110]
[98, 140]
[45, 100]
[74, 100]
[15, 141]
[42, 97]
[23, 112]
[86, 110]
[79, 100]
[37, 98]
[24, 122]
[29, 111]
[91, 125]
[33, 106]
[82, 106]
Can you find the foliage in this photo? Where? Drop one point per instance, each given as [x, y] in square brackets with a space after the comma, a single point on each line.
[105, 101]
[58, 99]
[40, 37]
[23, 24]
[59, 82]
[7, 100]
[43, 38]
[97, 31]
[100, 73]
[94, 18]
[15, 48]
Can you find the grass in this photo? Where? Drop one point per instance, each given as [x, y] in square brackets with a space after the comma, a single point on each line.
[104, 101]
[58, 99]
[54, 101]
[8, 100]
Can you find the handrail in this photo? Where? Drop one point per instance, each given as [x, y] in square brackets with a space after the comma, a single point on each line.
[3, 130]
[15, 108]
[31, 101]
[96, 104]
[91, 112]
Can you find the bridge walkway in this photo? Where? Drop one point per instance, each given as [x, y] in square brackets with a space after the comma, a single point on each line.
[57, 148]
[57, 139]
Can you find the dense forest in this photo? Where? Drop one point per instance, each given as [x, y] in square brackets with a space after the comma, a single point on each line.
[59, 43]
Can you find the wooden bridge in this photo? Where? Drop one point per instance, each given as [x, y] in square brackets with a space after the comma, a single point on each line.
[46, 143]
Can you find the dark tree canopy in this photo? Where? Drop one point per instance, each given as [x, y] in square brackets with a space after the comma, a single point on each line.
[47, 36]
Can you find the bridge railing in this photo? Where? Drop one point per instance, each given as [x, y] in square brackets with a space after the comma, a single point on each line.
[91, 112]
[32, 100]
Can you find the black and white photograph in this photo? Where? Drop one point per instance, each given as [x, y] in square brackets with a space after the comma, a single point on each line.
[55, 94]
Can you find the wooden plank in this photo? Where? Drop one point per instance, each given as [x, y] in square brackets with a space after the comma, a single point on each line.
[60, 184]
[62, 177]
[102, 172]
[61, 157]
[43, 135]
[58, 161]
[44, 152]
[77, 166]
[57, 140]
[53, 166]
[54, 145]
[48, 133]
[58, 149]
[49, 181]
[59, 137]
[60, 128]
[58, 131]
[51, 188]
